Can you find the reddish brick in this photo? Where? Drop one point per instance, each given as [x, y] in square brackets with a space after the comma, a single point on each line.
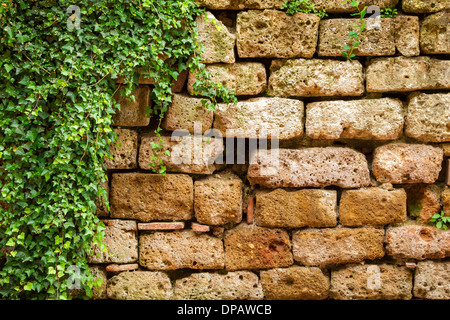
[200, 227]
[122, 267]
[161, 226]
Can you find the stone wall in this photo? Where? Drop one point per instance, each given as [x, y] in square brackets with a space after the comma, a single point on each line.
[340, 211]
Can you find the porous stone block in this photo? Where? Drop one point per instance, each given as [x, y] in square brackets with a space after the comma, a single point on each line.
[148, 197]
[435, 33]
[133, 113]
[339, 6]
[407, 35]
[424, 200]
[445, 198]
[124, 150]
[425, 6]
[240, 4]
[432, 280]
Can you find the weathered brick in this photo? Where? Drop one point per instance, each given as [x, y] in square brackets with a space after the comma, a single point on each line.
[372, 206]
[261, 118]
[315, 78]
[148, 197]
[407, 35]
[296, 209]
[161, 226]
[413, 240]
[133, 113]
[140, 285]
[196, 227]
[180, 249]
[338, 6]
[122, 267]
[309, 167]
[218, 199]
[322, 247]
[425, 6]
[275, 34]
[240, 4]
[428, 117]
[371, 282]
[239, 285]
[402, 74]
[295, 283]
[333, 35]
[187, 154]
[378, 119]
[253, 247]
[407, 163]
[432, 280]
[435, 33]
[423, 200]
[124, 150]
[244, 78]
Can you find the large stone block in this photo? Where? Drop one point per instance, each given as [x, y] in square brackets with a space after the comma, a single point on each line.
[315, 78]
[402, 74]
[338, 6]
[124, 150]
[253, 247]
[240, 4]
[295, 283]
[275, 34]
[428, 117]
[309, 167]
[261, 118]
[377, 119]
[179, 250]
[425, 6]
[435, 33]
[148, 197]
[323, 247]
[407, 35]
[133, 113]
[371, 282]
[296, 209]
[407, 163]
[432, 280]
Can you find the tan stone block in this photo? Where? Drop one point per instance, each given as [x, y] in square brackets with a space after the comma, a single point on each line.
[133, 113]
[338, 6]
[241, 4]
[425, 6]
[432, 280]
[124, 150]
[423, 201]
[435, 33]
[407, 35]
[445, 198]
[122, 267]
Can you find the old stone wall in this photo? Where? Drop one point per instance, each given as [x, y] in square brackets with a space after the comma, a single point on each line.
[340, 211]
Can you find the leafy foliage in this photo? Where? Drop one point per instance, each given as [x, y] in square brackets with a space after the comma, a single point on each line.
[355, 35]
[294, 6]
[440, 220]
[389, 13]
[57, 89]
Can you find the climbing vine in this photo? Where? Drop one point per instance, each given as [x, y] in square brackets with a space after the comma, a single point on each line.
[59, 62]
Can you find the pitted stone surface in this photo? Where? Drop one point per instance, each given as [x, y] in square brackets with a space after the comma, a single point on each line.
[432, 280]
[435, 33]
[133, 113]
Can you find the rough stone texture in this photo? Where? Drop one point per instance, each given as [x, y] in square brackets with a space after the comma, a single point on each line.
[244, 78]
[261, 118]
[218, 199]
[428, 117]
[121, 267]
[124, 150]
[133, 113]
[377, 119]
[253, 247]
[371, 282]
[180, 249]
[435, 33]
[121, 243]
[99, 272]
[407, 163]
[445, 198]
[148, 197]
[309, 167]
[217, 41]
[337, 6]
[188, 154]
[432, 280]
[102, 209]
[239, 285]
[275, 34]
[425, 6]
[333, 35]
[140, 285]
[322, 247]
[412, 240]
[423, 201]
[184, 112]
[407, 35]
[161, 226]
[295, 283]
[404, 74]
[315, 77]
[372, 206]
[296, 209]
[240, 4]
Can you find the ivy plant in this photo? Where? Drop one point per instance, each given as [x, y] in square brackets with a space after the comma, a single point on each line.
[389, 13]
[440, 220]
[293, 6]
[58, 69]
[355, 35]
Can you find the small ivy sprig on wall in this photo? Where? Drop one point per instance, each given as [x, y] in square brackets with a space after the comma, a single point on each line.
[440, 220]
[294, 6]
[355, 35]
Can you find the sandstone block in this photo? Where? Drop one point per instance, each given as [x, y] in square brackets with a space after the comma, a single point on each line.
[239, 285]
[378, 119]
[407, 163]
[253, 247]
[261, 118]
[148, 197]
[309, 167]
[296, 209]
[218, 199]
[315, 78]
[275, 34]
[435, 33]
[371, 282]
[423, 201]
[180, 249]
[412, 240]
[402, 74]
[432, 280]
[407, 35]
[133, 113]
[372, 206]
[244, 78]
[445, 198]
[338, 6]
[428, 117]
[322, 247]
[295, 283]
[124, 150]
[240, 4]
[425, 6]
[140, 285]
